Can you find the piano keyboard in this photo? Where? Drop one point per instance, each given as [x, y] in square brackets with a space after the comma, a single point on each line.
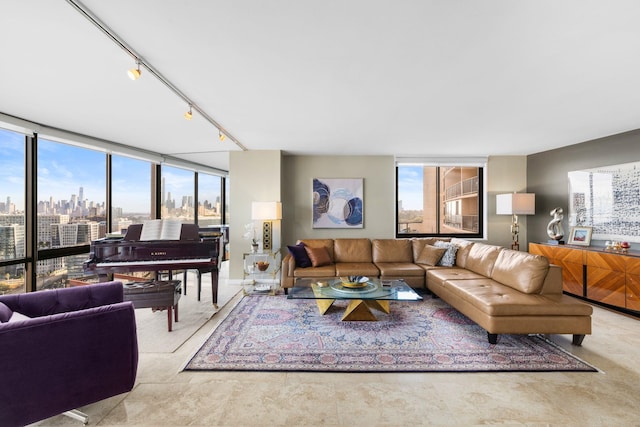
[154, 262]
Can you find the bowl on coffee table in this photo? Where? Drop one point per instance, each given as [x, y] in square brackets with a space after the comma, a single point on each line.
[354, 281]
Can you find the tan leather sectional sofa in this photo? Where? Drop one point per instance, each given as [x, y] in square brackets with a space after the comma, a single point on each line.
[502, 290]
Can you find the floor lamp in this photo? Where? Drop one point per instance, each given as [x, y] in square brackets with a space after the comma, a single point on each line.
[267, 212]
[515, 204]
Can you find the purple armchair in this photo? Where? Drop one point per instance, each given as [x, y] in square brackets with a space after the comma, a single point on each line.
[77, 346]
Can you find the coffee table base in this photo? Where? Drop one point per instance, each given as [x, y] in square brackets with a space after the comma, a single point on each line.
[357, 310]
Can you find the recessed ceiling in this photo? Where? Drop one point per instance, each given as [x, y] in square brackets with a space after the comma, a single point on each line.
[354, 77]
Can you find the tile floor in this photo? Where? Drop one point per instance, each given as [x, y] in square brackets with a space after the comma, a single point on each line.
[165, 396]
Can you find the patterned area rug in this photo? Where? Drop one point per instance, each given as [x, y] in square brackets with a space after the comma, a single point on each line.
[273, 333]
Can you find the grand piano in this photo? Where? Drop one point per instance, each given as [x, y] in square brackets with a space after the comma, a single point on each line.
[192, 251]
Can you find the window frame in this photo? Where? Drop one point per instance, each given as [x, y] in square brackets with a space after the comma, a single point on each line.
[481, 194]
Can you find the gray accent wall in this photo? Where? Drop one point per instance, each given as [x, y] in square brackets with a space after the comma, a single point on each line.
[547, 175]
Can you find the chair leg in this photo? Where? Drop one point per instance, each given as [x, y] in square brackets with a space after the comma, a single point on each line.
[77, 415]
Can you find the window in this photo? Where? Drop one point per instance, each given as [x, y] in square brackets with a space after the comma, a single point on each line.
[12, 211]
[209, 200]
[439, 200]
[177, 199]
[130, 192]
[71, 195]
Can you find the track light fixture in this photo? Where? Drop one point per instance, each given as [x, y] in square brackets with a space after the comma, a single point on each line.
[189, 114]
[221, 135]
[134, 73]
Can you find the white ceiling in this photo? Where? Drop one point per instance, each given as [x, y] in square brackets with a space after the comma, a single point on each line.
[348, 77]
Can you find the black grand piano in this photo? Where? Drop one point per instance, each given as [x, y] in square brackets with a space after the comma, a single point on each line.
[192, 251]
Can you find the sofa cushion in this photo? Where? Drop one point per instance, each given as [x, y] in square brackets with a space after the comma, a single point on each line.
[418, 244]
[300, 255]
[318, 256]
[438, 276]
[5, 313]
[399, 269]
[325, 271]
[464, 246]
[392, 250]
[482, 258]
[449, 257]
[318, 243]
[520, 270]
[430, 255]
[356, 269]
[494, 299]
[352, 250]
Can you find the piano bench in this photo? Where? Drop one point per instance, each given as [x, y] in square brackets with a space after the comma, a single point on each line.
[156, 294]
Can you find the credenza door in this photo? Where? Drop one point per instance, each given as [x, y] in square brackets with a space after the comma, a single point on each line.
[606, 278]
[632, 283]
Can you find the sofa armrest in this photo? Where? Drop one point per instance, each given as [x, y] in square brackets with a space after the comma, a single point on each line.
[286, 272]
[55, 363]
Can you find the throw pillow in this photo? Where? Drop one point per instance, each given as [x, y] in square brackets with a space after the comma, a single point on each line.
[5, 313]
[449, 257]
[430, 255]
[16, 317]
[318, 256]
[300, 255]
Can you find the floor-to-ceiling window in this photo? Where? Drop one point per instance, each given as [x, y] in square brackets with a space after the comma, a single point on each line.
[131, 188]
[177, 194]
[71, 209]
[12, 211]
[209, 200]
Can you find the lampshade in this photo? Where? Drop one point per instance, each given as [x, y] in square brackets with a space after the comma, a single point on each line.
[516, 204]
[266, 210]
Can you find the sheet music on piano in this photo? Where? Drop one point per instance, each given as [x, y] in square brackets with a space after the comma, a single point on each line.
[161, 229]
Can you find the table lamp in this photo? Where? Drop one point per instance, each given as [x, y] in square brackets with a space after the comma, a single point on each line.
[515, 204]
[267, 212]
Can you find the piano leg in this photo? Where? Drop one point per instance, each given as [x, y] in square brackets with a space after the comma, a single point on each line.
[184, 281]
[214, 287]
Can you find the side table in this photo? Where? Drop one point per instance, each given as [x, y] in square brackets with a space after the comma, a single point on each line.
[261, 272]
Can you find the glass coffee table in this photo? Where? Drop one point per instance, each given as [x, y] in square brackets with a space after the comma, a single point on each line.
[373, 293]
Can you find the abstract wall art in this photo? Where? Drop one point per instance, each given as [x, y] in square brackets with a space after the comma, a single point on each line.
[608, 199]
[338, 203]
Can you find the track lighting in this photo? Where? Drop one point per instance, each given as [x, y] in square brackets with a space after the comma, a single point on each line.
[189, 114]
[134, 73]
[221, 135]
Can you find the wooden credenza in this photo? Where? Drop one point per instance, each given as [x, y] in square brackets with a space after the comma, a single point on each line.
[595, 274]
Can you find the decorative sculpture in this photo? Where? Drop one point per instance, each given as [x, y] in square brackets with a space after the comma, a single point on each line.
[554, 229]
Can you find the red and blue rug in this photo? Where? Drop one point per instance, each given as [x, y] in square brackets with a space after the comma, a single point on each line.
[273, 333]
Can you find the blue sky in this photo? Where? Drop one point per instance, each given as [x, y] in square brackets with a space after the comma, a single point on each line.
[410, 183]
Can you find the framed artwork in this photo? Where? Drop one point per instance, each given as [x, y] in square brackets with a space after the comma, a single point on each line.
[580, 236]
[606, 198]
[338, 203]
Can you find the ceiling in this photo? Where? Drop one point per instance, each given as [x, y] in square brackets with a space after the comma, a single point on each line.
[331, 77]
